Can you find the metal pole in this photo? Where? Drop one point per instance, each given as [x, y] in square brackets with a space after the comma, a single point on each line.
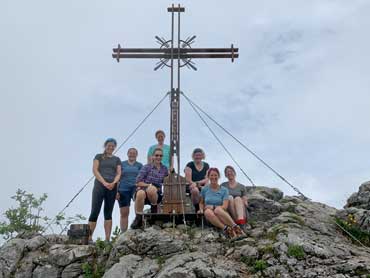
[172, 35]
[178, 92]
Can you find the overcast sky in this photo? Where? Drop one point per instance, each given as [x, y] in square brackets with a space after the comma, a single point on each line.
[298, 95]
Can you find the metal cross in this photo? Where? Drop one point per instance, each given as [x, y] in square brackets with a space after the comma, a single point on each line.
[168, 53]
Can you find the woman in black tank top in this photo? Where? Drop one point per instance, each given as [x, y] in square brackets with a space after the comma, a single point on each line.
[196, 175]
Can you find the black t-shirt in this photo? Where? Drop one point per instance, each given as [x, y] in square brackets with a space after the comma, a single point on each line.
[195, 174]
[108, 166]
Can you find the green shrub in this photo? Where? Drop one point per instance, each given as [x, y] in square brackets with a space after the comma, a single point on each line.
[28, 217]
[352, 227]
[102, 246]
[92, 271]
[296, 251]
[115, 235]
[260, 265]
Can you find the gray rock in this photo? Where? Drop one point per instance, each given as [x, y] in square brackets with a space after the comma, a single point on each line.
[360, 199]
[150, 242]
[10, 255]
[249, 251]
[63, 255]
[133, 266]
[274, 194]
[196, 264]
[56, 239]
[45, 271]
[71, 271]
[262, 209]
[36, 242]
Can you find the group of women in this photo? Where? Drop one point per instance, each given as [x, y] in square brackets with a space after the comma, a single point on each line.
[223, 205]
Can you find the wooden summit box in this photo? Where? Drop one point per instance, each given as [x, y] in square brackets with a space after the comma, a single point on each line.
[174, 195]
[79, 234]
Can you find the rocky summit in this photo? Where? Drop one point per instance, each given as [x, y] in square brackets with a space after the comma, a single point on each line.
[287, 237]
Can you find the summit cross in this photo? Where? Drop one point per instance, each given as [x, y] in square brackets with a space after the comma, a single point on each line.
[175, 54]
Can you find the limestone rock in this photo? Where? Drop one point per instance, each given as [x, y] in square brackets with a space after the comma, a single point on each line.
[45, 271]
[360, 199]
[35, 243]
[10, 255]
[287, 237]
[63, 255]
[73, 270]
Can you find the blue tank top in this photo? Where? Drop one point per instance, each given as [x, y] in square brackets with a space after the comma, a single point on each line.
[129, 174]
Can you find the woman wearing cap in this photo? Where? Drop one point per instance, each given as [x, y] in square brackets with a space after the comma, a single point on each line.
[127, 185]
[160, 136]
[107, 172]
[214, 203]
[237, 197]
[196, 175]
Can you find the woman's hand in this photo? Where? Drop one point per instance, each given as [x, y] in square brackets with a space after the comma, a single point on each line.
[200, 211]
[118, 196]
[193, 185]
[106, 184]
[111, 186]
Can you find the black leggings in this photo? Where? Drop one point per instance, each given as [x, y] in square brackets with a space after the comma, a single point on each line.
[100, 193]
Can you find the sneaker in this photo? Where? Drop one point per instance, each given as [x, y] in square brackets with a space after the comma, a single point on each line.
[138, 222]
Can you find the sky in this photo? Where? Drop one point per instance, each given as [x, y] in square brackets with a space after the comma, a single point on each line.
[298, 95]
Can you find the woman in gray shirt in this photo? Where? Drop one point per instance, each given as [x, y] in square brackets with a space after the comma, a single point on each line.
[107, 172]
[237, 197]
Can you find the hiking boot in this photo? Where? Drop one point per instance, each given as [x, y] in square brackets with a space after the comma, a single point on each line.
[229, 232]
[138, 222]
[239, 233]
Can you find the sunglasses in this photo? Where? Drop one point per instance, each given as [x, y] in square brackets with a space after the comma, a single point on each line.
[158, 155]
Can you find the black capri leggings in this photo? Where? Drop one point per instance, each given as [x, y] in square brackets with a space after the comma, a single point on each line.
[101, 193]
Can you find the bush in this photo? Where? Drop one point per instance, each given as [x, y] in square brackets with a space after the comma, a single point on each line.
[92, 271]
[296, 251]
[260, 265]
[351, 226]
[28, 218]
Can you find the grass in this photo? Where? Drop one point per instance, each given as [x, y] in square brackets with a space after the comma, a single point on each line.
[275, 230]
[259, 265]
[160, 261]
[268, 249]
[298, 218]
[296, 251]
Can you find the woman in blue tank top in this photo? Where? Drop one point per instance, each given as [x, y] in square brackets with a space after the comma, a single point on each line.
[127, 186]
